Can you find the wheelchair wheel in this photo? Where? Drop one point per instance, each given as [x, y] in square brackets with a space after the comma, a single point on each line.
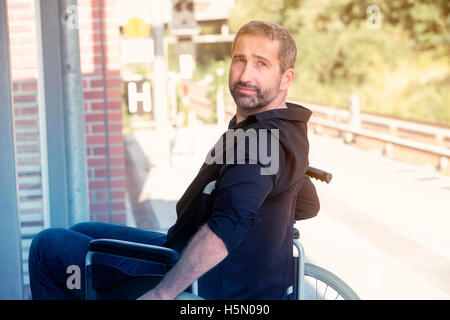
[188, 296]
[321, 284]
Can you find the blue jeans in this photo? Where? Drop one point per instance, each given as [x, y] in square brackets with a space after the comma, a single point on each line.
[53, 250]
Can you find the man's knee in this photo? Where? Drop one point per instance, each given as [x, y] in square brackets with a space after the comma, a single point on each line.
[89, 228]
[46, 236]
[82, 227]
[44, 240]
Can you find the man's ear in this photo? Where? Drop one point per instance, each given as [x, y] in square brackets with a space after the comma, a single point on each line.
[287, 78]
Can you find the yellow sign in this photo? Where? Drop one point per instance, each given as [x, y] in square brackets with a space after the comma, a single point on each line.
[136, 28]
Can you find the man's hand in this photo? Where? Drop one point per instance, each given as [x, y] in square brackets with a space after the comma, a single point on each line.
[203, 252]
[153, 295]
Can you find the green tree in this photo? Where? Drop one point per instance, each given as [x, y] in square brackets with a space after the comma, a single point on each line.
[400, 69]
[283, 12]
[426, 21]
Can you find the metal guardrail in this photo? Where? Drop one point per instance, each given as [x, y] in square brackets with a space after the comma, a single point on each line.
[348, 122]
[344, 115]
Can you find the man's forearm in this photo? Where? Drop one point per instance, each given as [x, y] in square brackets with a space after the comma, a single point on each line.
[203, 252]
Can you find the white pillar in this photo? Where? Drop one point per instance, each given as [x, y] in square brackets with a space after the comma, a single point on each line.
[11, 282]
[160, 103]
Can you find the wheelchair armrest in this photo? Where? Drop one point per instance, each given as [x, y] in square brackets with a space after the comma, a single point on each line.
[135, 250]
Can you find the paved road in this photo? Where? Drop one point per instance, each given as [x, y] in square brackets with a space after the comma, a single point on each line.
[383, 225]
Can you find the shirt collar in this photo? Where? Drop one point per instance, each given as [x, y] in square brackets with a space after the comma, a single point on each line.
[293, 112]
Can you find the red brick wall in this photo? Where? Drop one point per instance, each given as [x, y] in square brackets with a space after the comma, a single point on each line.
[93, 90]
[24, 64]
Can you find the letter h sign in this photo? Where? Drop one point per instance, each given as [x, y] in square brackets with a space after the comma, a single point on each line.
[134, 97]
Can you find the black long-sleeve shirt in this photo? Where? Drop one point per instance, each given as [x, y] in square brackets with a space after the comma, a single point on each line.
[253, 213]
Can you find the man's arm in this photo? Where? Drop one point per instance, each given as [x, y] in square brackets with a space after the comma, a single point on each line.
[240, 193]
[203, 252]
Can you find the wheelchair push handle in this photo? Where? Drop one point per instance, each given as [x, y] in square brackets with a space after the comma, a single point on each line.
[319, 174]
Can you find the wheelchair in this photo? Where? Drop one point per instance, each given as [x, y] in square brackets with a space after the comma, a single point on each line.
[133, 287]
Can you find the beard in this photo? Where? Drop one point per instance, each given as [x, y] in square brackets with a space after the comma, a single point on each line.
[253, 101]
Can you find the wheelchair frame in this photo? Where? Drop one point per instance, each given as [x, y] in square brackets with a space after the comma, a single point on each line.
[169, 257]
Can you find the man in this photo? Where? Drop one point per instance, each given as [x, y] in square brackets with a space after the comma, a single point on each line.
[235, 220]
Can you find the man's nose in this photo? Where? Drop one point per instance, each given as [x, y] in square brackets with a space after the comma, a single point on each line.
[247, 74]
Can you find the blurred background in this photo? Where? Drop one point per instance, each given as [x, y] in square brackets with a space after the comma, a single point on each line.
[110, 106]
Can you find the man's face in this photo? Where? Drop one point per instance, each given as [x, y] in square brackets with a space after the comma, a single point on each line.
[254, 72]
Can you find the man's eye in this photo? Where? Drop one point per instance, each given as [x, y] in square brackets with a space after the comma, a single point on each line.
[262, 64]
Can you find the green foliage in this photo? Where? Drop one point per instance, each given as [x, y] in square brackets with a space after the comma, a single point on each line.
[220, 79]
[283, 12]
[401, 68]
[212, 52]
[425, 21]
